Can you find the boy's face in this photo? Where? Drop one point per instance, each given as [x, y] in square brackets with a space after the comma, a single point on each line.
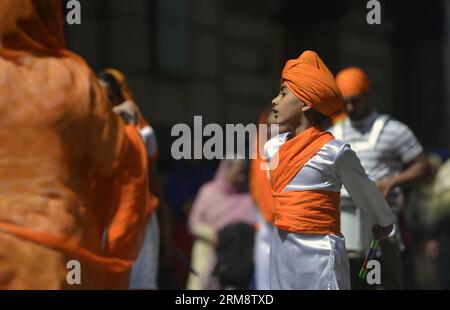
[287, 110]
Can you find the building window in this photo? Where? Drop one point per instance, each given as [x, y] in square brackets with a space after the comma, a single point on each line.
[173, 37]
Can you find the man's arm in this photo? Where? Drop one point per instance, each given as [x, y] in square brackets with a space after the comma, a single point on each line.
[407, 148]
[417, 171]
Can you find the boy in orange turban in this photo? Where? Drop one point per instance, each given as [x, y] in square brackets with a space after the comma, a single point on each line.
[308, 250]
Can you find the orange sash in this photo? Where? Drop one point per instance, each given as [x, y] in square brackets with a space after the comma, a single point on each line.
[309, 212]
[260, 189]
[70, 248]
[258, 176]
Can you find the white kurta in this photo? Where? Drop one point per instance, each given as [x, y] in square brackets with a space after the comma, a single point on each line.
[262, 254]
[144, 274]
[384, 146]
[305, 261]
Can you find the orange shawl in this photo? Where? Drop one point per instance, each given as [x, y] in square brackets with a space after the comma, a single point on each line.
[309, 212]
[259, 178]
[70, 170]
[142, 123]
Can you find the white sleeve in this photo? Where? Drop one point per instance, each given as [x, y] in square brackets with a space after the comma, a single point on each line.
[363, 191]
[405, 143]
[149, 137]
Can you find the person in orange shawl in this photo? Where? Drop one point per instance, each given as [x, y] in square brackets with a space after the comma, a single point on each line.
[145, 271]
[73, 176]
[307, 170]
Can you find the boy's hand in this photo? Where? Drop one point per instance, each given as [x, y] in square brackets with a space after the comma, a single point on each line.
[380, 232]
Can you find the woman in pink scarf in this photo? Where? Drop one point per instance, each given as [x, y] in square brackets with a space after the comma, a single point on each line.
[220, 203]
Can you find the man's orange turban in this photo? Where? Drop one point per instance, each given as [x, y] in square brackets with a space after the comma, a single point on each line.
[353, 82]
[313, 83]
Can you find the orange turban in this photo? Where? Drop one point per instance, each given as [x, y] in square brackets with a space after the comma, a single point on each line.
[313, 83]
[353, 82]
[339, 118]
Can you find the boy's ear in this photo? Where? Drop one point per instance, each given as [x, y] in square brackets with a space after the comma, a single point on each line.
[305, 107]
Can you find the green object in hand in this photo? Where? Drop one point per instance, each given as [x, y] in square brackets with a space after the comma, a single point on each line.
[370, 254]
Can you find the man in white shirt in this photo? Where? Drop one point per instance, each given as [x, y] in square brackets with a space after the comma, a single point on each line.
[392, 156]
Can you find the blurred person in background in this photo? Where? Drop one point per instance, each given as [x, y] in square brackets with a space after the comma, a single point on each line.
[235, 258]
[391, 156]
[144, 273]
[73, 176]
[181, 186]
[420, 202]
[219, 203]
[438, 246]
[308, 250]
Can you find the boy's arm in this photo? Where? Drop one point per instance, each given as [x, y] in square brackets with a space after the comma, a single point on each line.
[363, 191]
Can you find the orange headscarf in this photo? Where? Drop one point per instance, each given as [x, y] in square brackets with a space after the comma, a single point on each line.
[142, 123]
[352, 82]
[32, 25]
[70, 170]
[126, 93]
[311, 81]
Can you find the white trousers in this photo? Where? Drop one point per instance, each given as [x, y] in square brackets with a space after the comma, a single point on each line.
[262, 254]
[308, 262]
[144, 272]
